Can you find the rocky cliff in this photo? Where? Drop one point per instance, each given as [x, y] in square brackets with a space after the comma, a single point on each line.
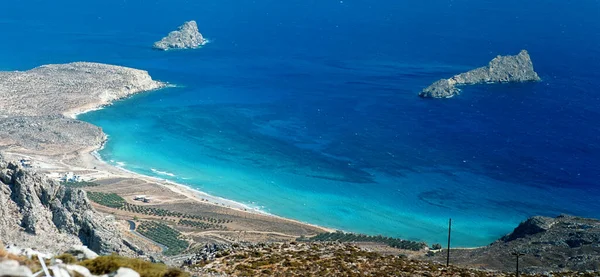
[186, 36]
[39, 213]
[502, 69]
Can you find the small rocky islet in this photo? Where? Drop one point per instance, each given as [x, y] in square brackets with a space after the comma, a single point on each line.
[502, 69]
[186, 36]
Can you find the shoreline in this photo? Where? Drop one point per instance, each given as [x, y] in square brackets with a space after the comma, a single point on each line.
[75, 113]
[199, 195]
[183, 189]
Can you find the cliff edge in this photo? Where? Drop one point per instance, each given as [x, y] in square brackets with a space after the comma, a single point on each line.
[502, 69]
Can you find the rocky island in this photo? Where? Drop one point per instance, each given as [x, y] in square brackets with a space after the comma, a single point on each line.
[186, 36]
[502, 69]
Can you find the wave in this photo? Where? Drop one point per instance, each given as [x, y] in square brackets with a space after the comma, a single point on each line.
[163, 172]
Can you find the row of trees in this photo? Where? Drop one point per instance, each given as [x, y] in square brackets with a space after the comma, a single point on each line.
[166, 213]
[165, 235]
[351, 237]
[111, 200]
[201, 225]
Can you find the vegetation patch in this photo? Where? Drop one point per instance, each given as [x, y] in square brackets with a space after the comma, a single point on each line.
[166, 213]
[200, 225]
[165, 235]
[351, 237]
[110, 264]
[111, 200]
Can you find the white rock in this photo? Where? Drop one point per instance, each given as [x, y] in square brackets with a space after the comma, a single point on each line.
[59, 271]
[125, 272]
[13, 269]
[82, 252]
[64, 270]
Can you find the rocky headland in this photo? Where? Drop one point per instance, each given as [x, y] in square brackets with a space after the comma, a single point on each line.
[563, 243]
[38, 106]
[502, 69]
[186, 36]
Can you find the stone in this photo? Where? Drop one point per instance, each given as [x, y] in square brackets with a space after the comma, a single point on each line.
[11, 268]
[186, 36]
[77, 269]
[70, 270]
[502, 69]
[82, 252]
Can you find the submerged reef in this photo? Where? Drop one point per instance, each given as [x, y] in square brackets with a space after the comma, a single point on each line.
[502, 69]
[186, 36]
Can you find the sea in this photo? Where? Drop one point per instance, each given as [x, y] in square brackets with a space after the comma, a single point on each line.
[308, 109]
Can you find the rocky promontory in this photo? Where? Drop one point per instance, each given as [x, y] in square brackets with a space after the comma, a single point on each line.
[37, 106]
[186, 36]
[502, 69]
[39, 213]
[563, 243]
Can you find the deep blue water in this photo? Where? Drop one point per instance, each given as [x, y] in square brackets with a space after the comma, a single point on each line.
[308, 109]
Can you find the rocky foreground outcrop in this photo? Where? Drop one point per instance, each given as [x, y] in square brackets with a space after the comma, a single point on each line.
[502, 69]
[37, 106]
[186, 36]
[564, 243]
[39, 213]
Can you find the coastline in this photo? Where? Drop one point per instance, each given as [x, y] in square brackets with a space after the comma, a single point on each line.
[182, 189]
[198, 195]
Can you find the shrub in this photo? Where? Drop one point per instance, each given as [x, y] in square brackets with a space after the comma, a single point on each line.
[350, 237]
[109, 264]
[67, 258]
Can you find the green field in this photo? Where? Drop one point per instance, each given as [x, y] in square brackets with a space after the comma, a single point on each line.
[165, 235]
[111, 200]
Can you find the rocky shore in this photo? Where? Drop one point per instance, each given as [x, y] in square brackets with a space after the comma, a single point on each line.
[502, 69]
[186, 36]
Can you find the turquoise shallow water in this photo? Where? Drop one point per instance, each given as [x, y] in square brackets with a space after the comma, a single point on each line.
[308, 109]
